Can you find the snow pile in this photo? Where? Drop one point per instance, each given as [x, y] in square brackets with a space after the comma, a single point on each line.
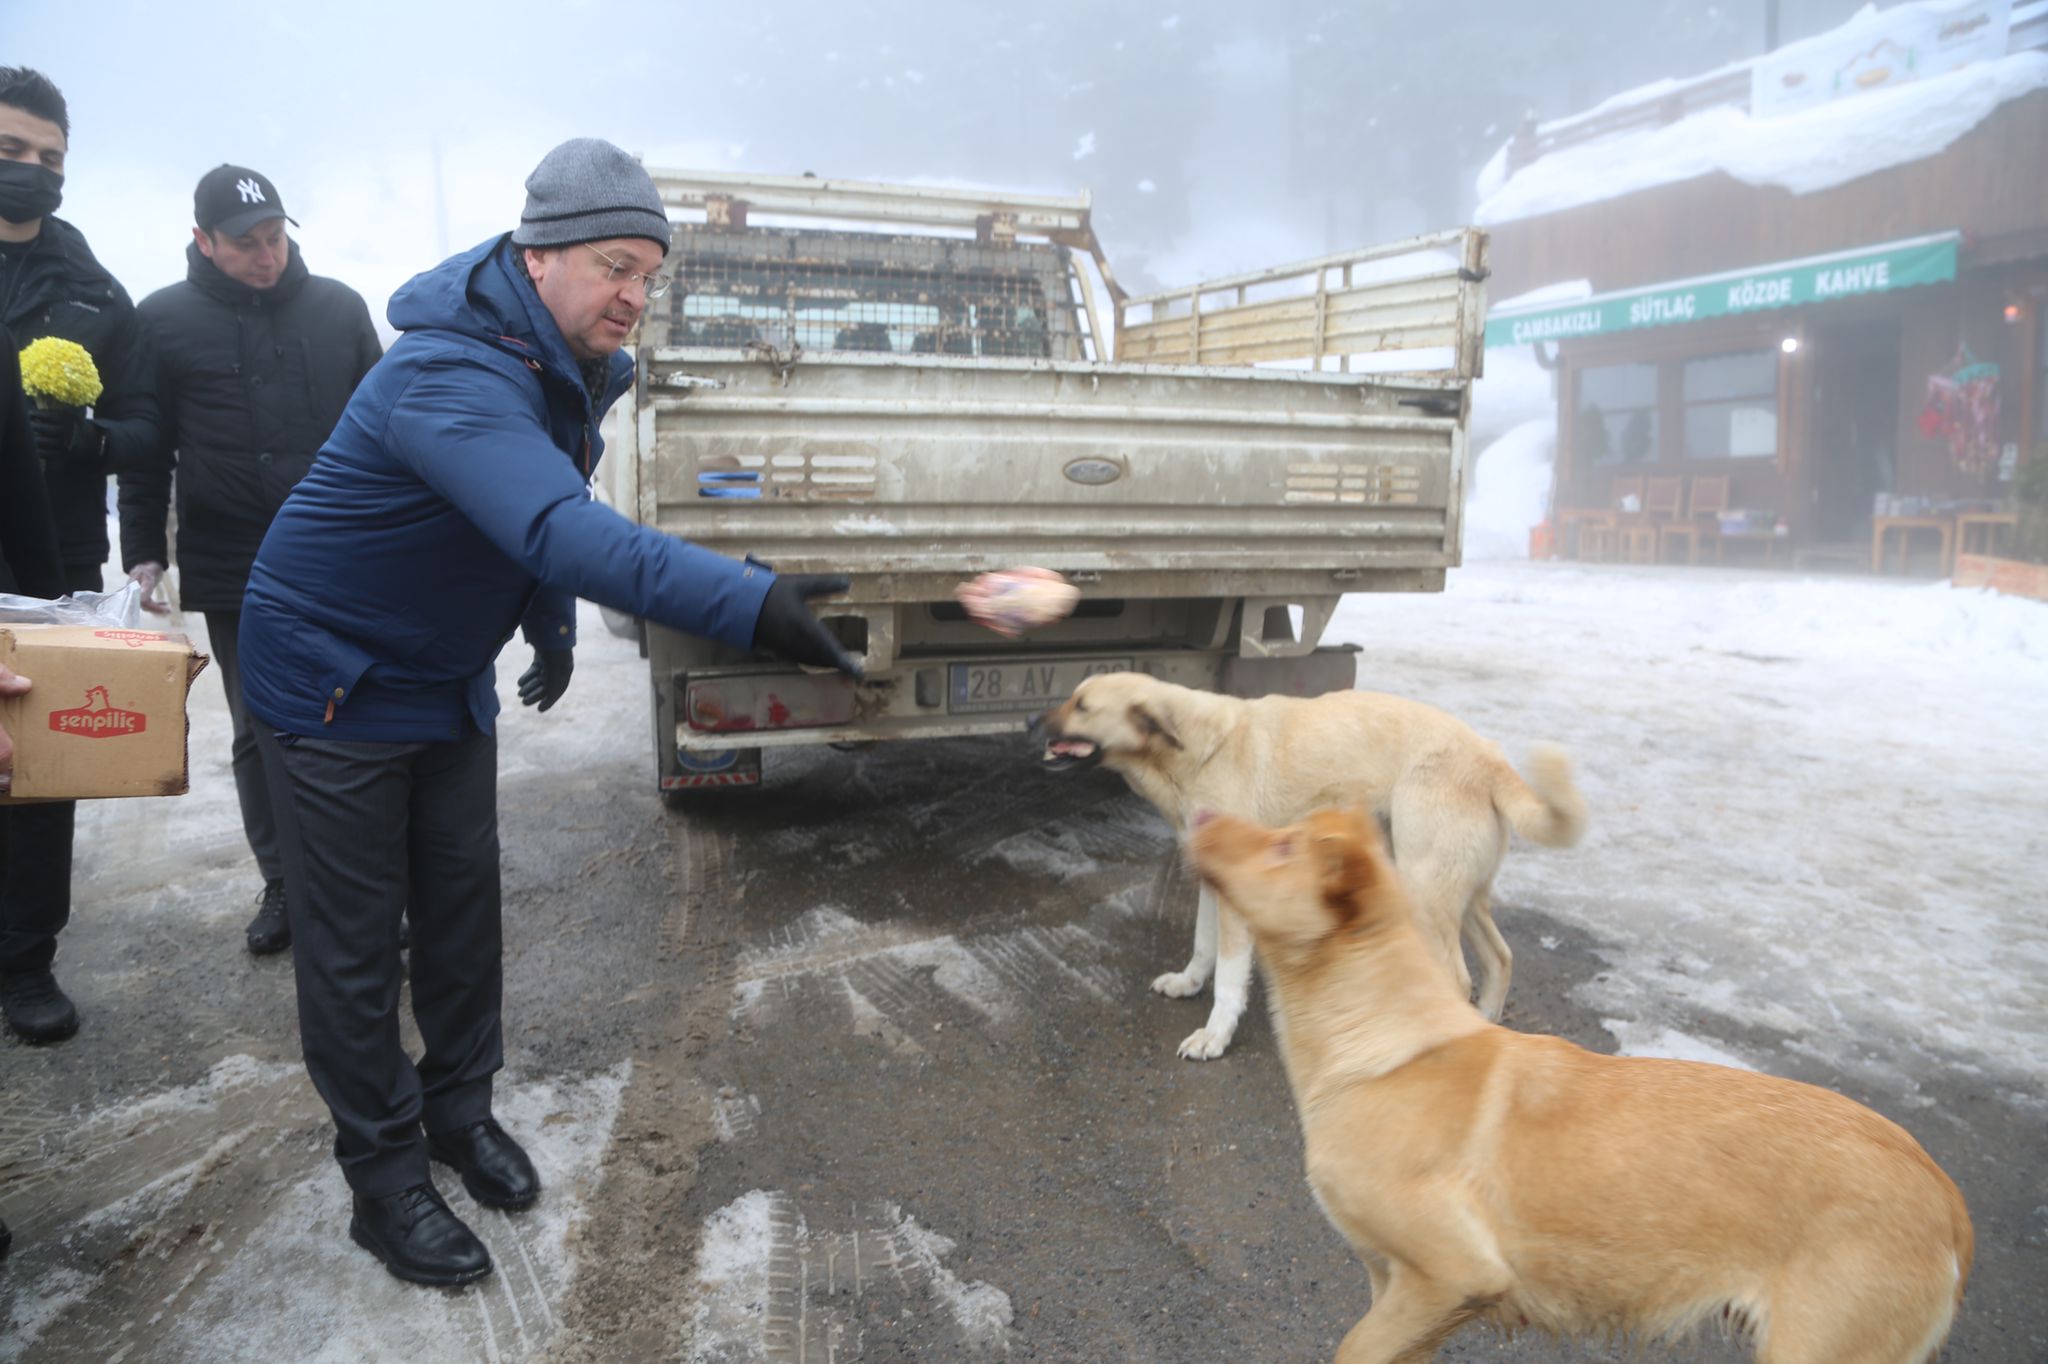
[1514, 428]
[1815, 802]
[1510, 491]
[1515, 389]
[1811, 150]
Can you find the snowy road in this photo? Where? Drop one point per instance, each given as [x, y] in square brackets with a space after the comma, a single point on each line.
[864, 1067]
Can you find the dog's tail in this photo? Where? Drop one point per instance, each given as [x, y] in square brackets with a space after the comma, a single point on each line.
[1546, 807]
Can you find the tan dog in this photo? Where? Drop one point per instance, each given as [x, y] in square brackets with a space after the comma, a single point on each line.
[1447, 794]
[1484, 1173]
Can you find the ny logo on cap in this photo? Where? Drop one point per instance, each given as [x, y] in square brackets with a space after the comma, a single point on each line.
[251, 192]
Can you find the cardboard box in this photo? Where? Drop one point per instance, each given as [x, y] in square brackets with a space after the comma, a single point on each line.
[2013, 577]
[106, 713]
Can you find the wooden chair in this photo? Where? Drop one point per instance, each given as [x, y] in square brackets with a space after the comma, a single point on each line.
[1661, 499]
[1702, 519]
[1600, 532]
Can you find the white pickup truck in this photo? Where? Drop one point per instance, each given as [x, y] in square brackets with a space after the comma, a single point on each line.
[913, 386]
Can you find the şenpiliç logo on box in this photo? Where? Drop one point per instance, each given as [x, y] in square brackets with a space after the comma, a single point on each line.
[98, 718]
[134, 639]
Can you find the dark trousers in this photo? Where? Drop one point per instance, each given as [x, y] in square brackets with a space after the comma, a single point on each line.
[222, 631]
[35, 859]
[367, 830]
[35, 883]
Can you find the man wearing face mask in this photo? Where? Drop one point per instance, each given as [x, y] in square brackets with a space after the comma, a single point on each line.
[50, 285]
[254, 359]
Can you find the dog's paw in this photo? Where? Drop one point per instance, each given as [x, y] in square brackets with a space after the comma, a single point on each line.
[1178, 985]
[1204, 1044]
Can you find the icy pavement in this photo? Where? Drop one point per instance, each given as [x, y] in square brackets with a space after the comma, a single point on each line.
[886, 1075]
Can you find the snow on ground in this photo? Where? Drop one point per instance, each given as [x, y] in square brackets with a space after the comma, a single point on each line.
[1815, 802]
[1812, 149]
[757, 1251]
[296, 1287]
[256, 1306]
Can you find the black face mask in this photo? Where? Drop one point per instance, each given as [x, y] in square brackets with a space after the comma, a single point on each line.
[28, 192]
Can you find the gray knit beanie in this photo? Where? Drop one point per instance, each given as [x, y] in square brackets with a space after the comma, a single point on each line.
[587, 190]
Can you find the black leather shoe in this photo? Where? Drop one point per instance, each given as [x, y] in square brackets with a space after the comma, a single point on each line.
[35, 1008]
[494, 1168]
[270, 931]
[418, 1238]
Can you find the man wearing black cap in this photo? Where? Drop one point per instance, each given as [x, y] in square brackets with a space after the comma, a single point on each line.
[51, 285]
[253, 361]
[450, 508]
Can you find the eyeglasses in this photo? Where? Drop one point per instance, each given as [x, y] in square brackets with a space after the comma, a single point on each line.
[655, 285]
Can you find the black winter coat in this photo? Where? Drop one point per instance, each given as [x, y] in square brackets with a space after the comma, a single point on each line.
[62, 290]
[28, 535]
[250, 383]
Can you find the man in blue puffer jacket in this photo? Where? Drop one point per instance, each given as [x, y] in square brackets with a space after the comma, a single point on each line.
[451, 507]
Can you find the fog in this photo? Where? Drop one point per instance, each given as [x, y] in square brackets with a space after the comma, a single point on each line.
[1213, 137]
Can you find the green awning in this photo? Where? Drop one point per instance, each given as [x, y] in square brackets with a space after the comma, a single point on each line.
[1788, 284]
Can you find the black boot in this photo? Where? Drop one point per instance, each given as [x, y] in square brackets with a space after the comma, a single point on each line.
[418, 1238]
[270, 931]
[35, 1008]
[6, 1240]
[494, 1168]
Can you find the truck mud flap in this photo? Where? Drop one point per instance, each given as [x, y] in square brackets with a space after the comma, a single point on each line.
[1326, 669]
[719, 767]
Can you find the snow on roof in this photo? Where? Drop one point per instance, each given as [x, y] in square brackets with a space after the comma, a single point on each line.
[1564, 291]
[1810, 150]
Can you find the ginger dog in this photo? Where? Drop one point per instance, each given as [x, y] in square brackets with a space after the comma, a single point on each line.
[1448, 795]
[1483, 1173]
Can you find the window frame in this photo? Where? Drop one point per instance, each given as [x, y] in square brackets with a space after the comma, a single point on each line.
[1655, 407]
[1685, 406]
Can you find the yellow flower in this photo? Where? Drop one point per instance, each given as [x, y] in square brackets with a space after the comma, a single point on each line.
[60, 371]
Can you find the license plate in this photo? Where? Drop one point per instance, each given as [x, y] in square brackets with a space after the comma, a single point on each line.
[1027, 684]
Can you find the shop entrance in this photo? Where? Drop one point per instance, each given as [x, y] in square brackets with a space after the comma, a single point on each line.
[1855, 426]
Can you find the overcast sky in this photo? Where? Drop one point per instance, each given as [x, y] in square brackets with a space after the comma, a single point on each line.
[343, 107]
[1214, 135]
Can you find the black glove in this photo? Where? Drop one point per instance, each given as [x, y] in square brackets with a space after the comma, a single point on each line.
[548, 678]
[56, 428]
[788, 629]
[67, 435]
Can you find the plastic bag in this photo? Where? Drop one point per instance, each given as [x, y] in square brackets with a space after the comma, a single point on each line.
[116, 610]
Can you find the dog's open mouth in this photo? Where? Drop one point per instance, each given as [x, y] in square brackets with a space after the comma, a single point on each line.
[1062, 754]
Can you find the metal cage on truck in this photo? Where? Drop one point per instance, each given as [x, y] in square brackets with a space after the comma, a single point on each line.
[912, 408]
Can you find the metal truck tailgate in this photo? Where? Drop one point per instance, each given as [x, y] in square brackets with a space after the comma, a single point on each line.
[912, 465]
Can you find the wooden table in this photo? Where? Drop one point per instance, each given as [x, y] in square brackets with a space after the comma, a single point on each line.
[1994, 526]
[1578, 525]
[1769, 539]
[1883, 526]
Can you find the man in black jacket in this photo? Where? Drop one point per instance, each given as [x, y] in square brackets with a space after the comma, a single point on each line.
[254, 360]
[30, 567]
[50, 285]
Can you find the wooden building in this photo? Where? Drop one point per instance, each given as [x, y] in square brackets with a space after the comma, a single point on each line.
[1877, 349]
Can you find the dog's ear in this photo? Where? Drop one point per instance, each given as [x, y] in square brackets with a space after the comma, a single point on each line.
[1347, 864]
[1152, 727]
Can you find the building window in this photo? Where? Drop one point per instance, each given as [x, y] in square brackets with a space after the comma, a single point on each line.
[1730, 405]
[1617, 415]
